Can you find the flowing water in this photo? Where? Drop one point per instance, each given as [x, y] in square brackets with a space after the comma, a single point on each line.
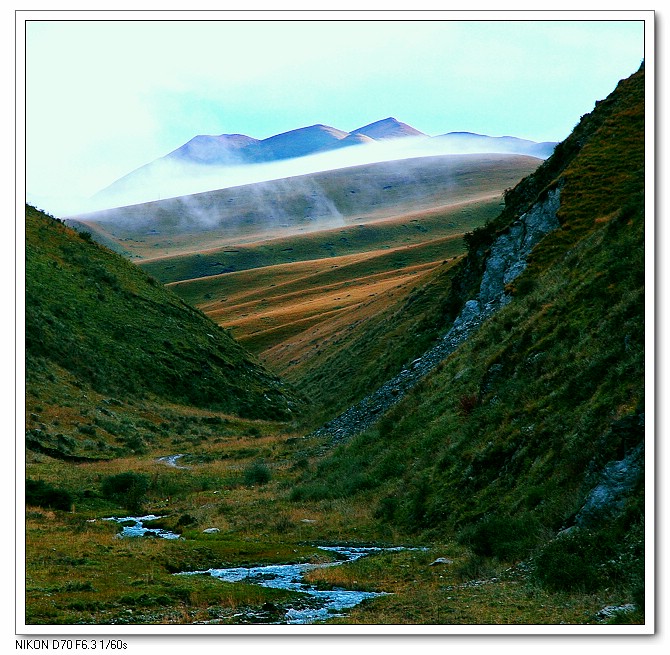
[325, 603]
[171, 460]
[290, 576]
[137, 528]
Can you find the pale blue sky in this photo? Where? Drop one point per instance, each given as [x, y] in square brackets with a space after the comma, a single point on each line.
[105, 97]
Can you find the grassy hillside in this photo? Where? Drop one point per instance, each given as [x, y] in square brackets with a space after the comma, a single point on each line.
[501, 446]
[406, 229]
[338, 326]
[95, 321]
[339, 364]
[316, 308]
[302, 204]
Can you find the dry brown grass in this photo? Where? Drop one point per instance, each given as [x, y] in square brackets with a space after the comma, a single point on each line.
[283, 313]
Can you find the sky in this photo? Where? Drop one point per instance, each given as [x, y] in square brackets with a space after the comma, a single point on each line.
[104, 97]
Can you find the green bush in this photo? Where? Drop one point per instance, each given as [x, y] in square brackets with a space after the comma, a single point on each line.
[257, 473]
[504, 537]
[42, 494]
[575, 561]
[129, 489]
[311, 492]
[185, 520]
[386, 509]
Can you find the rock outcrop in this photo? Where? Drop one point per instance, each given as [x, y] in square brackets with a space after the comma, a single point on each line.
[505, 261]
[617, 482]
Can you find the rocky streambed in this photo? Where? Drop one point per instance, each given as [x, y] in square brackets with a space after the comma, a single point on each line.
[321, 604]
[133, 526]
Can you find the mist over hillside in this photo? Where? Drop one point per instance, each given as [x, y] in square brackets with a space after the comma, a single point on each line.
[208, 162]
[304, 203]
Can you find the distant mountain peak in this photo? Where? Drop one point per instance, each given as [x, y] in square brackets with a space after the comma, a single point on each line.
[388, 128]
[297, 143]
[211, 149]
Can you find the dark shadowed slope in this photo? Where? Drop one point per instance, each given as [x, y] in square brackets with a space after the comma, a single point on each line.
[93, 316]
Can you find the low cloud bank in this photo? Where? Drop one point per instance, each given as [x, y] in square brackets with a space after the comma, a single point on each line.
[166, 178]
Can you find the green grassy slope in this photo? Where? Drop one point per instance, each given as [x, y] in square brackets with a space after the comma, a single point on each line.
[323, 309]
[502, 444]
[96, 319]
[336, 327]
[302, 204]
[369, 351]
[409, 229]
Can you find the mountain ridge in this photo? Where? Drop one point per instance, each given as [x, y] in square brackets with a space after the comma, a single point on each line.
[210, 154]
[383, 129]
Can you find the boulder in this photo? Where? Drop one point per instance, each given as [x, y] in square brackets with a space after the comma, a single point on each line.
[442, 560]
[617, 480]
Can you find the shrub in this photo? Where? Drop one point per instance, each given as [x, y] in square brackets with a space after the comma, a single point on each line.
[504, 537]
[128, 488]
[257, 473]
[283, 524]
[42, 494]
[313, 491]
[412, 512]
[135, 443]
[574, 562]
[474, 567]
[386, 509]
[467, 403]
[185, 520]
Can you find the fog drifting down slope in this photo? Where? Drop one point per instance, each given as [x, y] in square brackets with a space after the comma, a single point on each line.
[169, 179]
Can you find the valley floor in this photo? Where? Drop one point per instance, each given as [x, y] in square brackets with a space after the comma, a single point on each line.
[228, 498]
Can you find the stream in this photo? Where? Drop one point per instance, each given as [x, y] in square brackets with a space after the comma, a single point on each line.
[329, 603]
[171, 460]
[326, 603]
[137, 528]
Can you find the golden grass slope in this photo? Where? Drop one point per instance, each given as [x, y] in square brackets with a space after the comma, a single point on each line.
[299, 302]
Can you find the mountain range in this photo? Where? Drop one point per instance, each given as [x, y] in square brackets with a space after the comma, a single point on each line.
[238, 148]
[207, 161]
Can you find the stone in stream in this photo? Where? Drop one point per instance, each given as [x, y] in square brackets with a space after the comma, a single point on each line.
[442, 560]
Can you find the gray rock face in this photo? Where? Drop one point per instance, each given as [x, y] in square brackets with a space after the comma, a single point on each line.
[612, 610]
[506, 260]
[608, 497]
[510, 251]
